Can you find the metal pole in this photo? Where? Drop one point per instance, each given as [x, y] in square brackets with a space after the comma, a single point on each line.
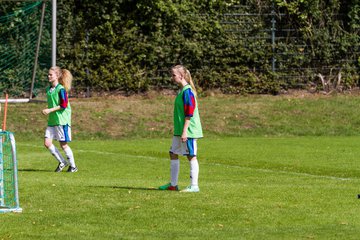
[15, 169]
[53, 39]
[5, 112]
[273, 29]
[37, 49]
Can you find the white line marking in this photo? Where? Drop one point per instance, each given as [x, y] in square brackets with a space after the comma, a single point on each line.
[210, 164]
[283, 172]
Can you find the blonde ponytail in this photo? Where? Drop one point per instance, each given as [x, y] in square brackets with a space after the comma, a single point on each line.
[188, 78]
[65, 77]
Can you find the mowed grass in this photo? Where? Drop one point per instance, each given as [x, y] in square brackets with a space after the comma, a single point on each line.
[271, 167]
[150, 116]
[251, 188]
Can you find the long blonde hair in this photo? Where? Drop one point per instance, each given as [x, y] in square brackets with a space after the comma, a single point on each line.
[65, 77]
[187, 76]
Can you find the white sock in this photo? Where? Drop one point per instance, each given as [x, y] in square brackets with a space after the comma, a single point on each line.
[174, 170]
[70, 156]
[55, 152]
[194, 172]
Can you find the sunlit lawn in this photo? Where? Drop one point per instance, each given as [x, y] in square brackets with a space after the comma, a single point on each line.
[251, 188]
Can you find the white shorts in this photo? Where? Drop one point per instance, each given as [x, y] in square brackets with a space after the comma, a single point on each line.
[60, 133]
[188, 148]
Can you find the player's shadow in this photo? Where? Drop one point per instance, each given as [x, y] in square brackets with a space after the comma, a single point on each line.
[129, 188]
[33, 170]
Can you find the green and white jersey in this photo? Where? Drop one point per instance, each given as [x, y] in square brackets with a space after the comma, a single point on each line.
[58, 97]
[186, 106]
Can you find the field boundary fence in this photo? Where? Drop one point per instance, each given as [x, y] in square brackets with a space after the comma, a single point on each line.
[260, 48]
[292, 58]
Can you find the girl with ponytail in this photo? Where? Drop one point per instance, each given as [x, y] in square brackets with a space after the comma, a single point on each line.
[59, 117]
[187, 129]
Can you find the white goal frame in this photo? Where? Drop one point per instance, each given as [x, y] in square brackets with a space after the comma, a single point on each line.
[14, 205]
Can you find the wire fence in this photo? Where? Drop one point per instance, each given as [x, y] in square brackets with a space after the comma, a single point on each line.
[292, 58]
[296, 61]
[265, 39]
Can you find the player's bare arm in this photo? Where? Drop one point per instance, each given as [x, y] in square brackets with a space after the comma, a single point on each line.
[47, 111]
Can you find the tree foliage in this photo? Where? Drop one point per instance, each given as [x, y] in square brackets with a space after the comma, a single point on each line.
[130, 45]
[330, 31]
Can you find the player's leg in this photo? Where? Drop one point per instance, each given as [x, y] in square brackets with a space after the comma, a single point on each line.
[174, 165]
[174, 169]
[66, 138]
[49, 135]
[191, 145]
[70, 156]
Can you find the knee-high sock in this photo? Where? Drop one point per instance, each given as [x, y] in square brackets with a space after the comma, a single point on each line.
[194, 172]
[174, 171]
[55, 152]
[70, 156]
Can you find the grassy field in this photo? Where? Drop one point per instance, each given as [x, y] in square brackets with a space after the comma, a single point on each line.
[150, 116]
[251, 188]
[270, 168]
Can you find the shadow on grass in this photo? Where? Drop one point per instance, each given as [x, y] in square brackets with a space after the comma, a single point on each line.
[33, 170]
[129, 188]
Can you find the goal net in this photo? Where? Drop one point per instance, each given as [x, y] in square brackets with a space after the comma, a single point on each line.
[20, 23]
[9, 192]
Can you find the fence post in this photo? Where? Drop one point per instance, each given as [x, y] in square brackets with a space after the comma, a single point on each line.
[273, 29]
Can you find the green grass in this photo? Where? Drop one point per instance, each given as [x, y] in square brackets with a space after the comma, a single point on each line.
[271, 167]
[150, 116]
[251, 188]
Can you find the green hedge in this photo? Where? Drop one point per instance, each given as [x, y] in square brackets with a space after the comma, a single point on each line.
[130, 45]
